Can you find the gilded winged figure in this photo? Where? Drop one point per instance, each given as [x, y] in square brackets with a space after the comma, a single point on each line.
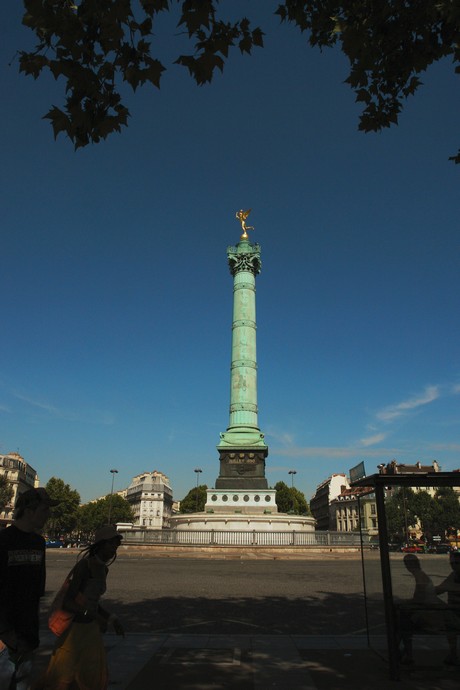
[242, 215]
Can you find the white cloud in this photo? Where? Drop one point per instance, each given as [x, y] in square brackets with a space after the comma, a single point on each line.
[89, 416]
[392, 412]
[284, 438]
[331, 452]
[372, 440]
[445, 446]
[45, 406]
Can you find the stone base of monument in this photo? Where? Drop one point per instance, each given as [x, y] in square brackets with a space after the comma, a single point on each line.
[242, 510]
[244, 501]
[280, 522]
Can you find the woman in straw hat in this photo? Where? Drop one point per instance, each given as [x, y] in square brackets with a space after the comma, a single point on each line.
[79, 659]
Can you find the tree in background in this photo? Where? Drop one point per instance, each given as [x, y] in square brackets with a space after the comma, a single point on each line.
[6, 492]
[195, 500]
[283, 497]
[291, 500]
[96, 514]
[400, 512]
[64, 516]
[446, 513]
[437, 516]
[94, 45]
[425, 510]
[302, 506]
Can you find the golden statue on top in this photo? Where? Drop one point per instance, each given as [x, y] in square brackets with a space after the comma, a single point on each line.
[242, 215]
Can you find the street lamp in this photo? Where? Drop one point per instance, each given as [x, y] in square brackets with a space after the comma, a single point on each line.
[292, 473]
[113, 473]
[406, 527]
[198, 471]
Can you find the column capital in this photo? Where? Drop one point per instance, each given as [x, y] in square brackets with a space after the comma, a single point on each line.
[245, 256]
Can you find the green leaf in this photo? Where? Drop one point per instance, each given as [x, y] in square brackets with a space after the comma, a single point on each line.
[32, 64]
[59, 121]
[258, 37]
[153, 72]
[245, 45]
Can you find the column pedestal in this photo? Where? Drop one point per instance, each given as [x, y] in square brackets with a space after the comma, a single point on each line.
[242, 469]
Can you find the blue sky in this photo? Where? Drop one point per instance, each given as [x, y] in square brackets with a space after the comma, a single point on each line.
[117, 300]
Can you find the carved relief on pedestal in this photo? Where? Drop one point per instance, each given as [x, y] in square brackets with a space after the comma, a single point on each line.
[233, 464]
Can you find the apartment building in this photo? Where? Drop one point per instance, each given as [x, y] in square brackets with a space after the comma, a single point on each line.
[150, 497]
[21, 476]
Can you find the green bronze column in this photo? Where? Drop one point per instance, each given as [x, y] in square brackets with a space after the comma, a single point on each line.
[242, 449]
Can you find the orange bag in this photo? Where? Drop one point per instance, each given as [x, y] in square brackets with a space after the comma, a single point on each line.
[59, 619]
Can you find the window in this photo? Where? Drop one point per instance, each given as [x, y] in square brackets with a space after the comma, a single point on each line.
[373, 511]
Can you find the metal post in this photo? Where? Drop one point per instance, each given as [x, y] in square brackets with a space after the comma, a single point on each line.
[198, 471]
[386, 584]
[292, 473]
[113, 473]
[405, 516]
[363, 570]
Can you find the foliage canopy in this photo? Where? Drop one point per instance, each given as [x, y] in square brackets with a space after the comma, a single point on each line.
[93, 515]
[64, 516]
[195, 500]
[6, 492]
[438, 515]
[291, 500]
[96, 44]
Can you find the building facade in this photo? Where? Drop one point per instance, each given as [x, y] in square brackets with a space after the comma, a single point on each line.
[353, 507]
[346, 513]
[320, 504]
[21, 476]
[335, 504]
[394, 467]
[150, 497]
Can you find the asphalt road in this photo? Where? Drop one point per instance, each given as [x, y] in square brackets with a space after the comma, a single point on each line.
[313, 597]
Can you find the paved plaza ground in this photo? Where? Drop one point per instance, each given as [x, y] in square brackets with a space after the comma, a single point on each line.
[322, 595]
[205, 624]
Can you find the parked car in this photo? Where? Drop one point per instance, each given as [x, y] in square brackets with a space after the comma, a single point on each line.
[412, 548]
[54, 544]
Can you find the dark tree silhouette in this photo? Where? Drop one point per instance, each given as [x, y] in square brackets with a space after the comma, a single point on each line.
[94, 45]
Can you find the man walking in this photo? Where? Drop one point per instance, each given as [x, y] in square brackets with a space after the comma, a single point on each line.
[22, 583]
[451, 585]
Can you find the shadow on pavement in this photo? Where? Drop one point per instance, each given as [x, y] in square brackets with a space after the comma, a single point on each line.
[333, 614]
[197, 669]
[364, 669]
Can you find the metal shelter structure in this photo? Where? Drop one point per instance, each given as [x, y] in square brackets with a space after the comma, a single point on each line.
[378, 484]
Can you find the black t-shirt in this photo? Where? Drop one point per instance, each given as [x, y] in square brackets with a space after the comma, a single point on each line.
[22, 582]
